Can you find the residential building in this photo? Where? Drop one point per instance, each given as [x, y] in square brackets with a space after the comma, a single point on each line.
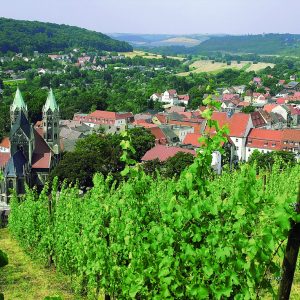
[239, 125]
[266, 140]
[100, 117]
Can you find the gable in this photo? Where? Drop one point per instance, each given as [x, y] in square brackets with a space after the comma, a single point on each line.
[19, 136]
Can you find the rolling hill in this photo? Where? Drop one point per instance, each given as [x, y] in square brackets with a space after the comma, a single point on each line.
[160, 40]
[261, 44]
[28, 36]
[258, 44]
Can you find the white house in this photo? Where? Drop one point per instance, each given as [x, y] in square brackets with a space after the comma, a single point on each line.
[268, 140]
[239, 125]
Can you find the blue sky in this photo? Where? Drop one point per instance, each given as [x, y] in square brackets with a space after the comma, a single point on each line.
[163, 16]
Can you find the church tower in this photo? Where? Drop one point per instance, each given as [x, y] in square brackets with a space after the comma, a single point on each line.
[17, 107]
[51, 123]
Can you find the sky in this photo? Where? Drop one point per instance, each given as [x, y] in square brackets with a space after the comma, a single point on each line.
[163, 16]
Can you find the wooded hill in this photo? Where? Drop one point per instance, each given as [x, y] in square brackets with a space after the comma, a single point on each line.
[28, 36]
[259, 44]
[267, 44]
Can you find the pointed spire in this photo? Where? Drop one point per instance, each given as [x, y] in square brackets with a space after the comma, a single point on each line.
[51, 102]
[18, 101]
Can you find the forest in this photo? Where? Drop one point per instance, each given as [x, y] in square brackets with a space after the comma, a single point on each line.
[29, 36]
[263, 44]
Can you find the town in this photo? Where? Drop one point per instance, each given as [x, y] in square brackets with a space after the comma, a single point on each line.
[273, 124]
[149, 166]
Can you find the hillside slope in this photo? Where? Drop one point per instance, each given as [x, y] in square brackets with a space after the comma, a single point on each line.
[259, 44]
[28, 36]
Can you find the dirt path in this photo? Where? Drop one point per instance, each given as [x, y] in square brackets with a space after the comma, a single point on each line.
[24, 279]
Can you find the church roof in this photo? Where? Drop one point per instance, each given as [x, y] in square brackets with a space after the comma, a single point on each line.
[51, 102]
[23, 123]
[18, 101]
[15, 165]
[42, 155]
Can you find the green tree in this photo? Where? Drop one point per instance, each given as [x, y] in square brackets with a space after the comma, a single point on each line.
[248, 109]
[175, 165]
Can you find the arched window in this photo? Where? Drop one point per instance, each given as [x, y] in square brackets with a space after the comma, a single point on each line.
[10, 184]
[20, 147]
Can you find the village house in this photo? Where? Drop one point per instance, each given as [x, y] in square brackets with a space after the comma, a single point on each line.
[100, 117]
[239, 125]
[171, 97]
[266, 140]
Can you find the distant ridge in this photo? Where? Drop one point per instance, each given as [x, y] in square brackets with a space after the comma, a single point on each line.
[268, 44]
[28, 36]
[271, 43]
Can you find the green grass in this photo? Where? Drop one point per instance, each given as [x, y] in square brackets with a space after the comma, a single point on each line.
[14, 81]
[245, 67]
[25, 279]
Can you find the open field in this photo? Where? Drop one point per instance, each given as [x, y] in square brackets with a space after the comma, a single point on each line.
[147, 55]
[208, 66]
[186, 41]
[14, 81]
[24, 279]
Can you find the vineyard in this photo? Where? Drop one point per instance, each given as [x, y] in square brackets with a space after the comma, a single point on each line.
[201, 236]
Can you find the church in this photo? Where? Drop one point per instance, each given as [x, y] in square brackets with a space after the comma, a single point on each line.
[34, 149]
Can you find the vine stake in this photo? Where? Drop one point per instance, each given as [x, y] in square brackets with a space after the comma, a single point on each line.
[290, 258]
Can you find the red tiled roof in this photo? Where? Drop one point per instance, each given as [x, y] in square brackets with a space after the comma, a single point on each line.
[101, 114]
[281, 100]
[244, 104]
[162, 118]
[172, 92]
[228, 97]
[185, 98]
[265, 139]
[5, 143]
[195, 123]
[4, 158]
[291, 135]
[144, 124]
[269, 107]
[163, 152]
[293, 110]
[256, 79]
[42, 154]
[160, 138]
[257, 119]
[273, 139]
[256, 95]
[192, 139]
[237, 123]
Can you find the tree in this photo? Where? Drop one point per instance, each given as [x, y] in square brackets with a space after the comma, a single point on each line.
[266, 161]
[176, 164]
[248, 109]
[142, 141]
[150, 167]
